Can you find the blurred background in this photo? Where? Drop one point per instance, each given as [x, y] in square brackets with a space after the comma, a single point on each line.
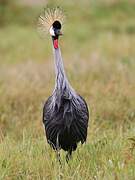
[98, 48]
[98, 52]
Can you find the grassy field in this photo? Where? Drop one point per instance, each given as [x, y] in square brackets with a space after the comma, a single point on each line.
[98, 48]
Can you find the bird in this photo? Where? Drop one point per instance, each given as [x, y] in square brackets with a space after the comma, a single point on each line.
[65, 113]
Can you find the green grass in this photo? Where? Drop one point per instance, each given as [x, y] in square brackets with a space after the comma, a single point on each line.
[106, 156]
[99, 57]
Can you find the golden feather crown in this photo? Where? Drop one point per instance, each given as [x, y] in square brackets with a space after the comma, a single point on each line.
[49, 16]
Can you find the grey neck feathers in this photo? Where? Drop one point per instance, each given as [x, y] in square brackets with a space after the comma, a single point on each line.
[62, 85]
[61, 80]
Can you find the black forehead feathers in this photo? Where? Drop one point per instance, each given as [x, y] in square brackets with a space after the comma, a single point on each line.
[56, 25]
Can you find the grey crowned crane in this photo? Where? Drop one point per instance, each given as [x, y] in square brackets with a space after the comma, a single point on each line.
[65, 113]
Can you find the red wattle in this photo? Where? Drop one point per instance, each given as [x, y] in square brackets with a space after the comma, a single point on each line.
[55, 43]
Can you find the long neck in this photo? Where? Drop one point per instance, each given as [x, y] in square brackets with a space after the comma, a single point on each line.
[62, 86]
[61, 80]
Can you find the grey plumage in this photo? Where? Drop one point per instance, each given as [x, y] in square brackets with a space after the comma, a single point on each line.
[65, 113]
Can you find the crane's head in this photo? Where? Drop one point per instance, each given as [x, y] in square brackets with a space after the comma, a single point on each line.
[55, 29]
[51, 21]
[55, 32]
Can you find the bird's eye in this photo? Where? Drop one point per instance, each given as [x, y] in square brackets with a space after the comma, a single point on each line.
[56, 25]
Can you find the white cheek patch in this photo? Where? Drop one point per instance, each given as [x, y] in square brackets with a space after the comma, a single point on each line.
[52, 31]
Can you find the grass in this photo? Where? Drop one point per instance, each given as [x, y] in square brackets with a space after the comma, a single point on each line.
[106, 156]
[98, 52]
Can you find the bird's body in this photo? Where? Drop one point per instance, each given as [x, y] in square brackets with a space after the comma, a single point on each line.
[65, 113]
[65, 123]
